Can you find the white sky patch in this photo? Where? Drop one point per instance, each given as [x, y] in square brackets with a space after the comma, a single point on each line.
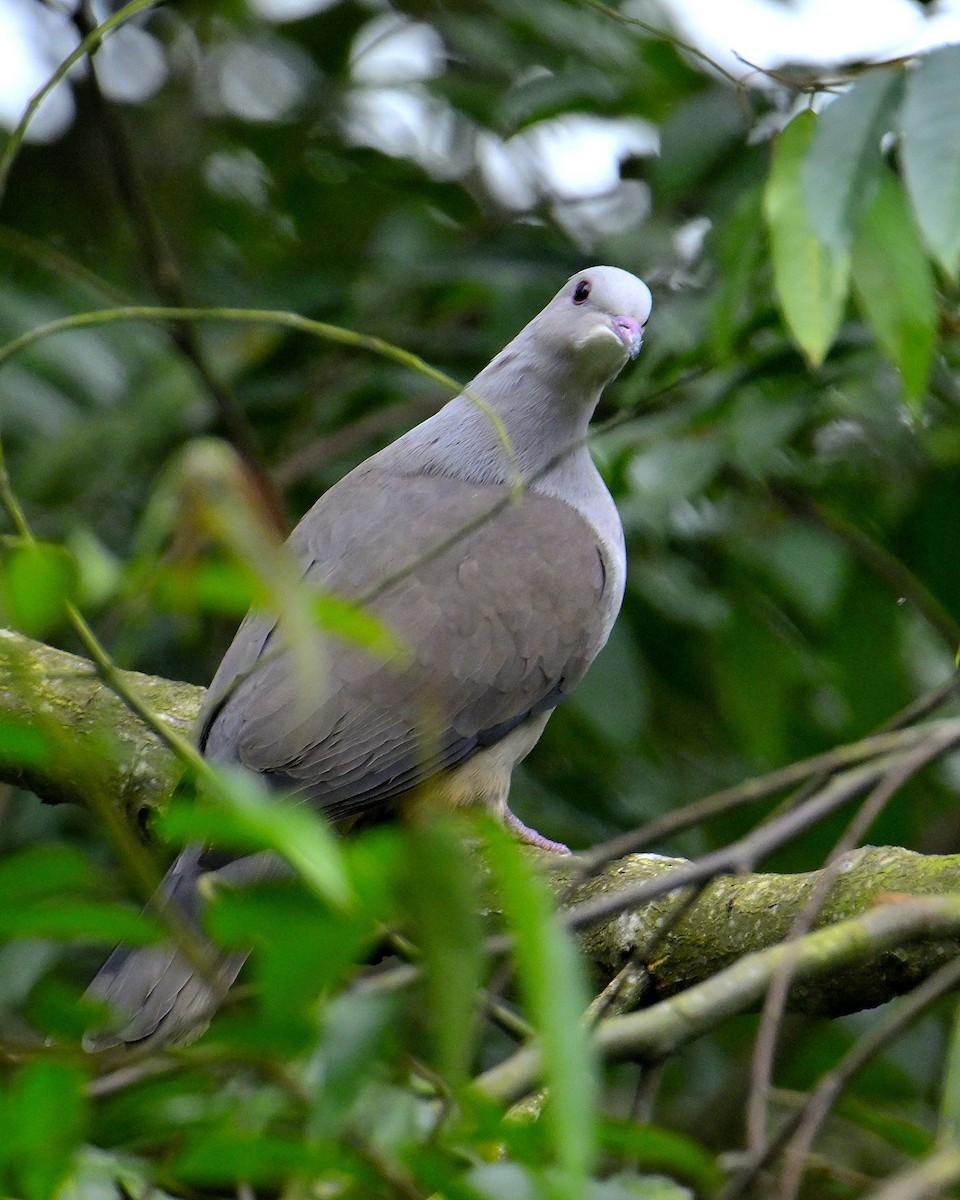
[33, 40]
[410, 122]
[810, 31]
[572, 158]
[392, 50]
[578, 156]
[257, 81]
[289, 10]
[130, 65]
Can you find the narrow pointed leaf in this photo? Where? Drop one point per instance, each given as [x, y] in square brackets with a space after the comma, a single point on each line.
[248, 819]
[811, 280]
[555, 996]
[895, 288]
[950, 1096]
[841, 171]
[45, 1120]
[442, 899]
[931, 152]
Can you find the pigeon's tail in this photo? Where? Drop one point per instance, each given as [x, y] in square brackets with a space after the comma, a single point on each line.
[157, 993]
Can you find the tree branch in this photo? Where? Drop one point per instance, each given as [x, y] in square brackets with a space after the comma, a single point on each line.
[64, 734]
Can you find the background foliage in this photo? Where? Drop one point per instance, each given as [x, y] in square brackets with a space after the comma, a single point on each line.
[785, 456]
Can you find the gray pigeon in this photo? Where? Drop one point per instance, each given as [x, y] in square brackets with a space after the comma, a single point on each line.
[500, 599]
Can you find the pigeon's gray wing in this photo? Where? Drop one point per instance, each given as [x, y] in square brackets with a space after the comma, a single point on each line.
[497, 624]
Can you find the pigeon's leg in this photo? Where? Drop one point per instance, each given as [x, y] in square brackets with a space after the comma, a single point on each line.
[530, 836]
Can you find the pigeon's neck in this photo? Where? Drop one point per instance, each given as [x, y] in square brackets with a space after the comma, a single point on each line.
[520, 418]
[522, 414]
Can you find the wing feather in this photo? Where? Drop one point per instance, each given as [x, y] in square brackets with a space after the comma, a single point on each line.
[498, 626]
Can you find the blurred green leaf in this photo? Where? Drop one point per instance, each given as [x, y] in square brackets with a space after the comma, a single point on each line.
[638, 1187]
[100, 573]
[44, 1119]
[101, 1176]
[950, 1095]
[24, 743]
[930, 151]
[227, 588]
[67, 918]
[740, 258]
[248, 818]
[43, 871]
[653, 1148]
[303, 947]
[895, 287]
[905, 1136]
[218, 1158]
[357, 1033]
[753, 698]
[812, 280]
[53, 892]
[354, 624]
[36, 583]
[554, 989]
[841, 171]
[443, 902]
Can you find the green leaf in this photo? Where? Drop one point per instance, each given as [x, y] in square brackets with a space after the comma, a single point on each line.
[50, 892]
[811, 280]
[22, 744]
[43, 1126]
[906, 1136]
[36, 582]
[349, 621]
[739, 255]
[443, 902]
[249, 819]
[653, 1148]
[227, 588]
[555, 994]
[224, 1157]
[895, 287]
[930, 152]
[950, 1096]
[303, 947]
[842, 169]
[357, 1030]
[43, 871]
[66, 918]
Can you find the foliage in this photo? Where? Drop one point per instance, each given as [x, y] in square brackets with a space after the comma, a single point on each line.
[786, 459]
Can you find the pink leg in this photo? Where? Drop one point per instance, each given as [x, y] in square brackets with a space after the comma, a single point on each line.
[530, 836]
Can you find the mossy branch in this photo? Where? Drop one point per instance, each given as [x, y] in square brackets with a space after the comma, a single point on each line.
[64, 734]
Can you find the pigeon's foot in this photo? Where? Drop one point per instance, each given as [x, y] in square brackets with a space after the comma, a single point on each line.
[530, 836]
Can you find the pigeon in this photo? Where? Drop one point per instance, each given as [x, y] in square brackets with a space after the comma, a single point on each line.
[486, 542]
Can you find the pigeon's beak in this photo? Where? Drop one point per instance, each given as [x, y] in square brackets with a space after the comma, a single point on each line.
[629, 332]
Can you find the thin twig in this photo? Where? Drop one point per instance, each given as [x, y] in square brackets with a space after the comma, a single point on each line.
[762, 787]
[661, 35]
[760, 842]
[927, 1179]
[167, 281]
[655, 1032]
[805, 1122]
[776, 998]
[89, 43]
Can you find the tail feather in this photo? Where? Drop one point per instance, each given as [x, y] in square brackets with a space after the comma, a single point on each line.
[157, 993]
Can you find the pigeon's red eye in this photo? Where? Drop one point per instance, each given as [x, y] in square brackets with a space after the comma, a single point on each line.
[581, 291]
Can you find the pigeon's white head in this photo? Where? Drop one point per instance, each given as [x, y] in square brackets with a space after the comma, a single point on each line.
[597, 319]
